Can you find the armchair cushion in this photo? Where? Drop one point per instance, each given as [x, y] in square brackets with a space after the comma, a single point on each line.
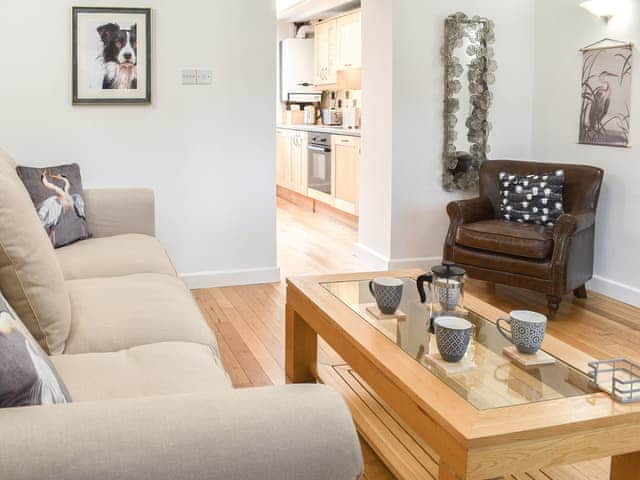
[532, 198]
[508, 238]
[539, 269]
[114, 257]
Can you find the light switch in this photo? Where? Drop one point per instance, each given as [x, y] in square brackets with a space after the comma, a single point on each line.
[189, 77]
[205, 77]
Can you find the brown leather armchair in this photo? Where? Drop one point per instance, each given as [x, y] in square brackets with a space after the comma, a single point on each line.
[552, 260]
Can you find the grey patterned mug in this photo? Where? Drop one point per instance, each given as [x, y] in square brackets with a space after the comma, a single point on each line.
[387, 292]
[453, 335]
[527, 330]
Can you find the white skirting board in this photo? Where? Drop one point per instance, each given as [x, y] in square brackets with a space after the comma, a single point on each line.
[373, 259]
[617, 290]
[378, 261]
[423, 263]
[227, 278]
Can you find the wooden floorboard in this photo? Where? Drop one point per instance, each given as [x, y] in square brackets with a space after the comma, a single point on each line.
[249, 320]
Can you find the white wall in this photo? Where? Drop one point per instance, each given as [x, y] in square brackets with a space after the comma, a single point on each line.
[207, 151]
[418, 218]
[377, 95]
[562, 28]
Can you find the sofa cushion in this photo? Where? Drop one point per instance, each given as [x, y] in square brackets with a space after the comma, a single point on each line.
[58, 198]
[27, 377]
[30, 276]
[149, 370]
[113, 257]
[508, 238]
[114, 313]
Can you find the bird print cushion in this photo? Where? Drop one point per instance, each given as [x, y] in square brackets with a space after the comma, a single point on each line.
[532, 198]
[57, 195]
[27, 376]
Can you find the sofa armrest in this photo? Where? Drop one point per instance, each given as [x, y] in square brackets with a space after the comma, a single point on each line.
[115, 211]
[287, 432]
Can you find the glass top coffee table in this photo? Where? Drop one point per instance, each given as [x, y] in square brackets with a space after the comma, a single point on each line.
[490, 379]
[494, 419]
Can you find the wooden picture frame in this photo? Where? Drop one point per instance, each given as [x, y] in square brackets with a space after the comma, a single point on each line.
[111, 55]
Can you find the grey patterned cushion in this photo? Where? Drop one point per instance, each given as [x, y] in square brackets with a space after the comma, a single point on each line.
[57, 195]
[27, 376]
[532, 198]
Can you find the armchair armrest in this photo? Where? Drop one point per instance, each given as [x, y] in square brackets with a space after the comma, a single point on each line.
[461, 212]
[116, 211]
[571, 235]
[571, 223]
[287, 432]
[469, 211]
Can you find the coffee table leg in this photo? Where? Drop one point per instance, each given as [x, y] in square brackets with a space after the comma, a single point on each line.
[301, 347]
[625, 467]
[446, 473]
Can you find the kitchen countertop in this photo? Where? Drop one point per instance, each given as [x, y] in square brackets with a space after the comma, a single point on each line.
[336, 130]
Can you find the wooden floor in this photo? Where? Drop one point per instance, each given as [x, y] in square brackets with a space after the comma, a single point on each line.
[249, 320]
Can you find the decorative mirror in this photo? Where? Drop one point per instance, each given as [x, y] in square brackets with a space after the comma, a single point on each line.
[469, 70]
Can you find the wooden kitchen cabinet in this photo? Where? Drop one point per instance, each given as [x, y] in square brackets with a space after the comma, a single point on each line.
[291, 160]
[325, 52]
[283, 157]
[283, 164]
[298, 156]
[346, 172]
[349, 34]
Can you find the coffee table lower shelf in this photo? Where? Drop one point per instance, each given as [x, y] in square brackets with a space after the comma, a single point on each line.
[402, 451]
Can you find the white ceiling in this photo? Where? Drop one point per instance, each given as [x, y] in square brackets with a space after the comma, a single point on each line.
[304, 10]
[282, 5]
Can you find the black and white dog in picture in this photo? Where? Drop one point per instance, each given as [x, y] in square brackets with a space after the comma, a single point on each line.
[119, 56]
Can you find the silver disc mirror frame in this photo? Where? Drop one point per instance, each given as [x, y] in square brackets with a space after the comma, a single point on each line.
[469, 71]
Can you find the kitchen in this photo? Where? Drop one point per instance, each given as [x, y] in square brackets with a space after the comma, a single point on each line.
[319, 107]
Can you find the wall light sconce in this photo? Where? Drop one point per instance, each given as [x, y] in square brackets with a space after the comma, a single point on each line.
[604, 9]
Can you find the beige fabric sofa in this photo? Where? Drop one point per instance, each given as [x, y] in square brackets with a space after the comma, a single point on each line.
[151, 399]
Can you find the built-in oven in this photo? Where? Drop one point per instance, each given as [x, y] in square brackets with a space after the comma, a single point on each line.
[319, 158]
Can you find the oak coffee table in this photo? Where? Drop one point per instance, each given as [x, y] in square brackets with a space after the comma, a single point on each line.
[492, 419]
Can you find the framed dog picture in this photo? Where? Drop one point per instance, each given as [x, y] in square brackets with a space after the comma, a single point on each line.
[111, 55]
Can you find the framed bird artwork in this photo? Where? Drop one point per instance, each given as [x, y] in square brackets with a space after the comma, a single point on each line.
[605, 113]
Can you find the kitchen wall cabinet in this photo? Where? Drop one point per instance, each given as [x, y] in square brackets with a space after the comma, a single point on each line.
[325, 52]
[291, 160]
[337, 46]
[349, 39]
[346, 172]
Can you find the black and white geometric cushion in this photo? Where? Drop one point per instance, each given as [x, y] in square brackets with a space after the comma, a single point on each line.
[532, 198]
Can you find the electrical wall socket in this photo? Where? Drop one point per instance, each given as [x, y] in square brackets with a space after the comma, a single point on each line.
[189, 77]
[205, 77]
[197, 77]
